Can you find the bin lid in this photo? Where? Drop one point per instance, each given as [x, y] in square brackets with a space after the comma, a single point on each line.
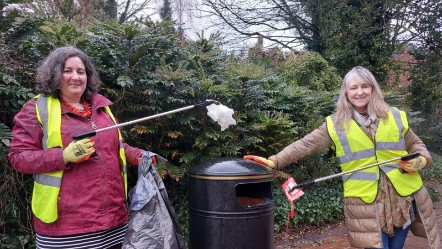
[227, 167]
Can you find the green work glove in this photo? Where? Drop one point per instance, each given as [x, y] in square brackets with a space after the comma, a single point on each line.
[411, 166]
[79, 150]
[260, 160]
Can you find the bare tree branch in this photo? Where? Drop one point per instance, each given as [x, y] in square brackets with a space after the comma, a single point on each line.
[131, 8]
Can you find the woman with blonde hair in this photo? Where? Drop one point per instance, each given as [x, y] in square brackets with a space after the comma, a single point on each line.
[376, 108]
[381, 204]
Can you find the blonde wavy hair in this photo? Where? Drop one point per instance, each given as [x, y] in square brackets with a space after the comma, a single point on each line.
[377, 108]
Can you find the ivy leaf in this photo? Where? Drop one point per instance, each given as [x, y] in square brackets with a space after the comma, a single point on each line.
[47, 29]
[9, 79]
[5, 142]
[5, 135]
[174, 134]
[125, 80]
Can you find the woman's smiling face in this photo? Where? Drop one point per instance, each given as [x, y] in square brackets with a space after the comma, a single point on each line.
[73, 80]
[359, 93]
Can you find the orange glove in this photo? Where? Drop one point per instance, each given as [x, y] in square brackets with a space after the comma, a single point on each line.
[154, 160]
[411, 166]
[261, 160]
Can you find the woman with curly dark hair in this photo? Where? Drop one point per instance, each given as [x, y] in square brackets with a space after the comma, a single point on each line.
[80, 186]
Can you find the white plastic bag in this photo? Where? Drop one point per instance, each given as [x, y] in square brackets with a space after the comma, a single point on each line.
[222, 115]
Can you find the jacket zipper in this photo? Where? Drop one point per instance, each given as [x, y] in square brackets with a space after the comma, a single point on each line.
[102, 171]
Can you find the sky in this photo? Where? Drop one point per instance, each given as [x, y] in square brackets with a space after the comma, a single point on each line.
[195, 21]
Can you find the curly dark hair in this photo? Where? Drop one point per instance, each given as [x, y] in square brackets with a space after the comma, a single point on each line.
[49, 73]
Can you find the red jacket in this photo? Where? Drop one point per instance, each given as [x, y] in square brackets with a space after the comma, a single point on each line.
[92, 194]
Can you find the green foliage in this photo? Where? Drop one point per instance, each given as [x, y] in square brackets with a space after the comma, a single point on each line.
[12, 95]
[434, 194]
[145, 70]
[15, 215]
[356, 33]
[14, 187]
[435, 171]
[166, 11]
[433, 139]
[318, 205]
[7, 13]
[433, 176]
[309, 91]
[13, 238]
[5, 136]
[426, 90]
[309, 69]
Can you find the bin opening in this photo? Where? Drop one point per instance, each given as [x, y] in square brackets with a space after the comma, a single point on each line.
[253, 194]
[249, 201]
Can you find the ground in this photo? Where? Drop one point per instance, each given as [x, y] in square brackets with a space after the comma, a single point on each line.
[334, 235]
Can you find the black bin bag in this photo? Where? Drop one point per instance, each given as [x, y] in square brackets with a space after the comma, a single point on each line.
[152, 220]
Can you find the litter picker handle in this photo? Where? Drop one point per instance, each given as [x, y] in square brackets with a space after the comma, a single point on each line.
[312, 182]
[410, 156]
[85, 135]
[93, 133]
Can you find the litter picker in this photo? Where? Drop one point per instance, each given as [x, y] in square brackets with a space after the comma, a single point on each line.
[94, 132]
[312, 182]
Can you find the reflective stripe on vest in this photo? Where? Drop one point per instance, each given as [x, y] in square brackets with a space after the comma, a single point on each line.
[390, 143]
[354, 149]
[358, 175]
[353, 154]
[47, 185]
[399, 129]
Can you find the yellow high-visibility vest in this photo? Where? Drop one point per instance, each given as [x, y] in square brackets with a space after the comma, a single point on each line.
[354, 149]
[47, 185]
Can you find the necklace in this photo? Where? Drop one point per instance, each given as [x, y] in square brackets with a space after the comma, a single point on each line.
[85, 114]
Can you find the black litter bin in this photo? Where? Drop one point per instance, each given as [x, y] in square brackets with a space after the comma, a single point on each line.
[231, 205]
